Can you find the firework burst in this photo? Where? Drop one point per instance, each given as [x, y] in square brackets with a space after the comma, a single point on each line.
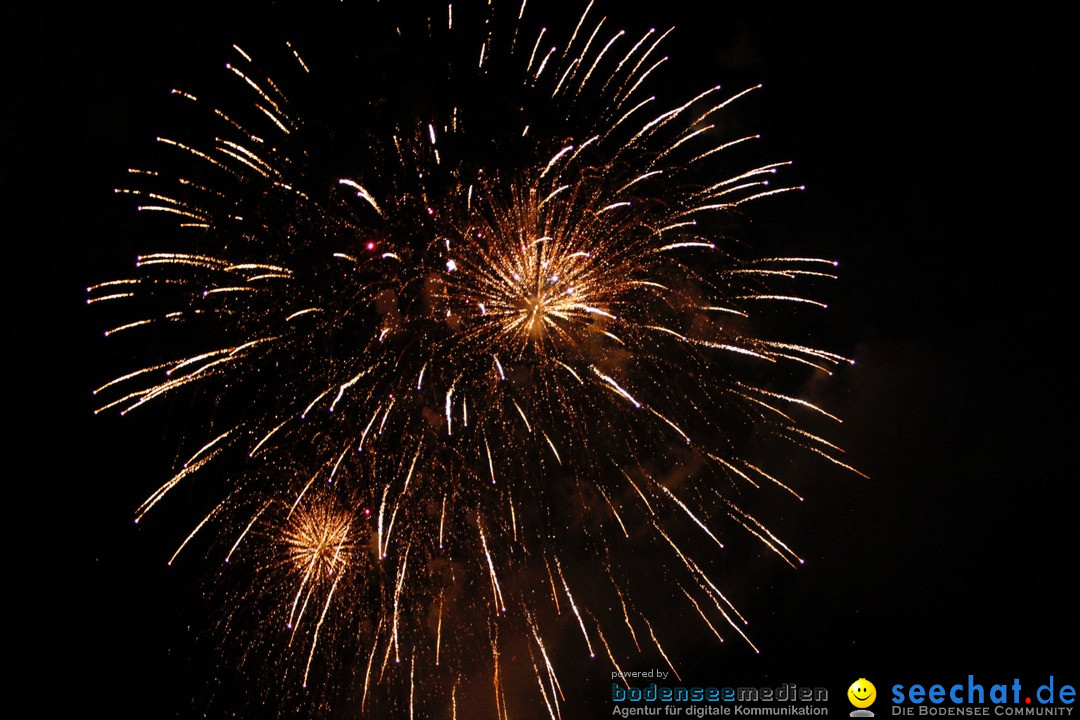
[454, 345]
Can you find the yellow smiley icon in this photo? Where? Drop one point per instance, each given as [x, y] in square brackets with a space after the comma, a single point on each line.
[862, 693]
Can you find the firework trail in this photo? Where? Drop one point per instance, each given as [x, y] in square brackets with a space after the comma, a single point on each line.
[450, 350]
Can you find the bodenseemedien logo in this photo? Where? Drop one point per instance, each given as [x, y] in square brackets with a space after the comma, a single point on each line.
[713, 701]
[862, 694]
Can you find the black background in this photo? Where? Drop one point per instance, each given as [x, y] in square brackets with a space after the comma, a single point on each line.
[934, 146]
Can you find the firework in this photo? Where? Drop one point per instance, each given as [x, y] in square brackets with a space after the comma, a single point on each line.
[452, 352]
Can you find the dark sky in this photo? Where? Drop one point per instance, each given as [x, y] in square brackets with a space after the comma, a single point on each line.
[934, 150]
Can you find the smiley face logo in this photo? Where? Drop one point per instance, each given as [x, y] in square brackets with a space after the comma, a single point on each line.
[862, 693]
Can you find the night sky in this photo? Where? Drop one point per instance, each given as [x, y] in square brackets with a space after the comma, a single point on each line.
[934, 151]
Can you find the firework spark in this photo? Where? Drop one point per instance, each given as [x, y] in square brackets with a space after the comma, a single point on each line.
[462, 350]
